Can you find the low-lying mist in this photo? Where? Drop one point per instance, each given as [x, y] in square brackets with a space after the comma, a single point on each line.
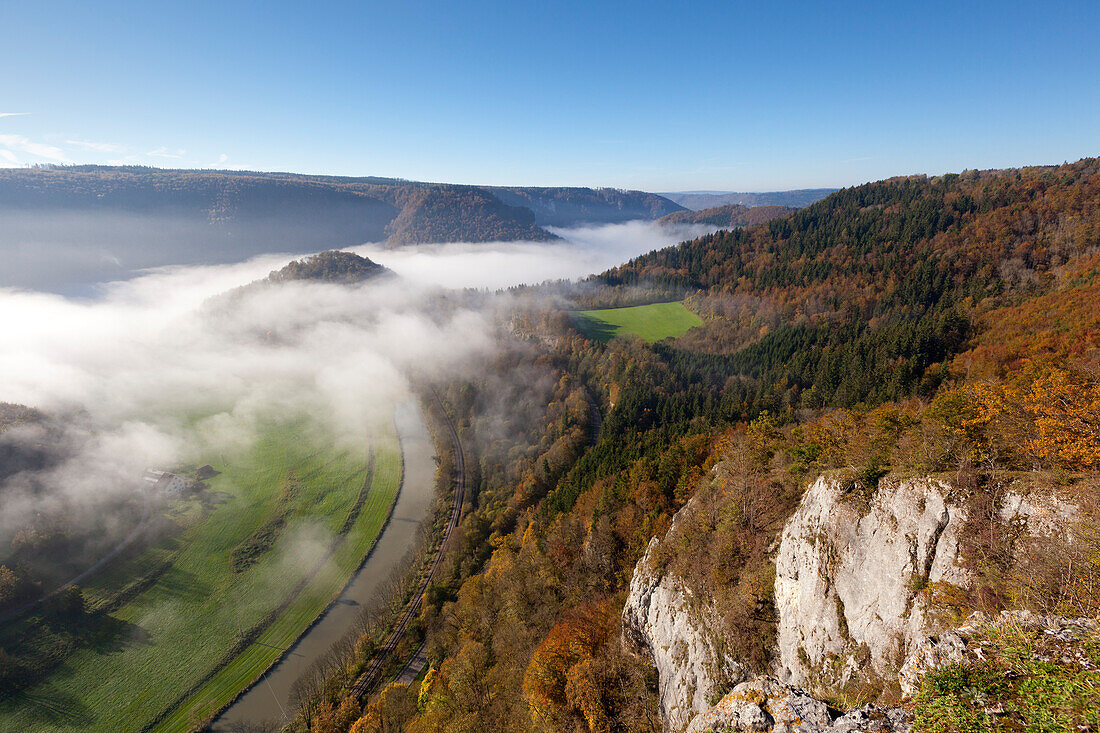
[181, 363]
[170, 367]
[584, 251]
[55, 258]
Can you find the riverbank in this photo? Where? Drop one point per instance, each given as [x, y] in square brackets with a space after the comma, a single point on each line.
[271, 698]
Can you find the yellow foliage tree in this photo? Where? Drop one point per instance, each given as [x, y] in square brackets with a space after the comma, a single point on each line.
[1065, 410]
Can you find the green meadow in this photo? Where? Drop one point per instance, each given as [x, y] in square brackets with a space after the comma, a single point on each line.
[182, 628]
[649, 322]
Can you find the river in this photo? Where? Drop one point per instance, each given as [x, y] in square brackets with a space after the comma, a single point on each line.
[269, 699]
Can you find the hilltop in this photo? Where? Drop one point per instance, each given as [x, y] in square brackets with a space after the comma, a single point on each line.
[331, 266]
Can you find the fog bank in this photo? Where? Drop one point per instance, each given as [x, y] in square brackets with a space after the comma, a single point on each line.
[584, 251]
[166, 368]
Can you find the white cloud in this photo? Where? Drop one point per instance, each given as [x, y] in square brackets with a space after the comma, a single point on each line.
[8, 159]
[41, 150]
[98, 147]
[222, 158]
[163, 152]
[14, 114]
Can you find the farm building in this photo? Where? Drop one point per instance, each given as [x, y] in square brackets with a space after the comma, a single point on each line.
[165, 483]
[204, 472]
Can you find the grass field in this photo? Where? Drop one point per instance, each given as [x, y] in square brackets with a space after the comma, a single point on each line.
[649, 322]
[195, 632]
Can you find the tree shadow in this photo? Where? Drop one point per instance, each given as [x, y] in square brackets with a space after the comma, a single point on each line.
[594, 329]
[182, 584]
[109, 635]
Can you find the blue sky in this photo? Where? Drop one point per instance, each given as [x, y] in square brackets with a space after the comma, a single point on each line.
[652, 95]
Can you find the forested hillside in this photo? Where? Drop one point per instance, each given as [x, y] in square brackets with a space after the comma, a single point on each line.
[728, 216]
[942, 327]
[564, 207]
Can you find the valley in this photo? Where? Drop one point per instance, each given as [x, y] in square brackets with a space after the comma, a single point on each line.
[201, 626]
[820, 465]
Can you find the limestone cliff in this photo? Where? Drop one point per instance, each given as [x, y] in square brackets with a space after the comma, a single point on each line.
[662, 618]
[850, 567]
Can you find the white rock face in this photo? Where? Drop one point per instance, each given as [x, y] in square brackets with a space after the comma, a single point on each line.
[849, 569]
[658, 619]
[1045, 514]
[766, 705]
[847, 576]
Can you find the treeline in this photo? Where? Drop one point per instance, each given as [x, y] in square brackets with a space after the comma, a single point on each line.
[852, 249]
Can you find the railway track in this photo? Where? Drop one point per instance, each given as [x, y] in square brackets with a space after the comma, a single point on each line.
[370, 677]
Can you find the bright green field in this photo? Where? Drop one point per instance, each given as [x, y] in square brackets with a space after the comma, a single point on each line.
[650, 322]
[172, 634]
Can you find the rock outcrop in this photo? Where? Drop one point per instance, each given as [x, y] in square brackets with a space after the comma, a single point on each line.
[766, 705]
[848, 574]
[851, 566]
[1043, 514]
[1065, 638]
[659, 619]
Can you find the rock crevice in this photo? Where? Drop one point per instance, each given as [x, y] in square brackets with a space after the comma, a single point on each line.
[848, 575]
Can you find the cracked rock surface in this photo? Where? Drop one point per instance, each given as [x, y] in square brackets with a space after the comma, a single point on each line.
[766, 705]
[848, 574]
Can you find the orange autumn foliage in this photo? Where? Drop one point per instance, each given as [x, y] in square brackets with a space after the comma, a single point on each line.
[571, 642]
[1065, 409]
[1054, 418]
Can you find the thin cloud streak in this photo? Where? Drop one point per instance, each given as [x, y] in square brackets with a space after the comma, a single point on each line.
[98, 147]
[162, 152]
[24, 144]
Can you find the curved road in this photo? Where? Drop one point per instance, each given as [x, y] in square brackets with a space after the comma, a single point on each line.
[269, 699]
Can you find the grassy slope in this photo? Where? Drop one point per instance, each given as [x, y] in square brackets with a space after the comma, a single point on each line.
[172, 635]
[650, 322]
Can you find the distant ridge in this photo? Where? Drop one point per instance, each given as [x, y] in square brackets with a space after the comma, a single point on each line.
[728, 215]
[797, 198]
[562, 207]
[61, 226]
